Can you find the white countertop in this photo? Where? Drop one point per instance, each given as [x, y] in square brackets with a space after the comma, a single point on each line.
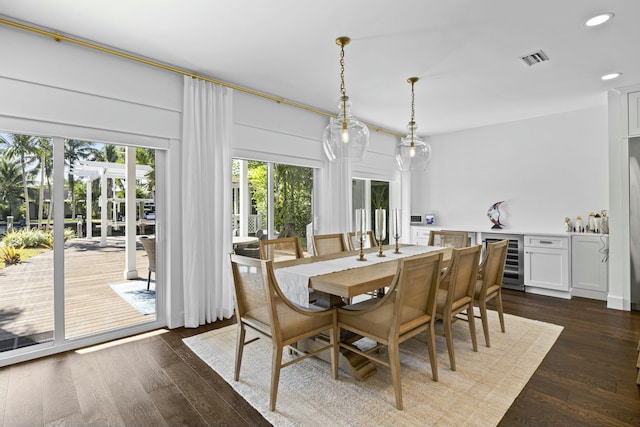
[507, 231]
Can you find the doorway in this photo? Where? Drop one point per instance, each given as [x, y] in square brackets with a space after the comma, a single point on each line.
[66, 241]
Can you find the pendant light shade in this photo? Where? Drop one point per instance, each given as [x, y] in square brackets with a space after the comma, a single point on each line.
[412, 153]
[345, 137]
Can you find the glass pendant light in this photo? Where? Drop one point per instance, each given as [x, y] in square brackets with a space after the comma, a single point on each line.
[412, 153]
[345, 138]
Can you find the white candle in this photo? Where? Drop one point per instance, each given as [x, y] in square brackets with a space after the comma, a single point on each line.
[361, 221]
[397, 226]
[395, 221]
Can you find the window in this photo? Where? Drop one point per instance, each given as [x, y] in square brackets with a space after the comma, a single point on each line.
[272, 199]
[371, 195]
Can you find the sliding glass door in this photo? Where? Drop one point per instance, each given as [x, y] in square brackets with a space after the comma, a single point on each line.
[26, 255]
[116, 291]
[74, 215]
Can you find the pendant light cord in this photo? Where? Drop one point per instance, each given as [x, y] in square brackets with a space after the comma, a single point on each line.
[413, 111]
[343, 91]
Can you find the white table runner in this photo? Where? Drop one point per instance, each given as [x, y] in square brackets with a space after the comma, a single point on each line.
[294, 280]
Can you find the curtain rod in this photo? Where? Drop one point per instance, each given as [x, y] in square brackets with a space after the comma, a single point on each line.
[60, 38]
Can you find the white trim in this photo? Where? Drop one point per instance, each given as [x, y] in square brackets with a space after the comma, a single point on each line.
[270, 157]
[58, 242]
[616, 303]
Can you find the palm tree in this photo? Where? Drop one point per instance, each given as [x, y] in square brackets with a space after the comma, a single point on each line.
[75, 150]
[147, 156]
[45, 154]
[22, 147]
[10, 184]
[110, 153]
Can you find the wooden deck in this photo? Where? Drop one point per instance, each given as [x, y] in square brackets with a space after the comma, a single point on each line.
[91, 305]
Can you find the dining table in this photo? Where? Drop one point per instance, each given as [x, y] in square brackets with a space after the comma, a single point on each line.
[342, 276]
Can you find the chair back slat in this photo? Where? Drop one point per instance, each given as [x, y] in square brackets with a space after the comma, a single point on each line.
[354, 243]
[464, 272]
[325, 244]
[281, 249]
[492, 268]
[417, 286]
[252, 299]
[449, 239]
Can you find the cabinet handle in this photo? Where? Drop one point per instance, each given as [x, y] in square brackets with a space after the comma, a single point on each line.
[546, 242]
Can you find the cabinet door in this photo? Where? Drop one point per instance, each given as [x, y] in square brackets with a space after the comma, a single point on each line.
[589, 263]
[546, 268]
[420, 236]
[634, 113]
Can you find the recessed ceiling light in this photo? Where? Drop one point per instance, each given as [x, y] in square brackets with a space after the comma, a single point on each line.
[611, 76]
[599, 19]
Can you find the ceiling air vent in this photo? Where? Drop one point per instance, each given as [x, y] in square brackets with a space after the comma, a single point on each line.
[535, 58]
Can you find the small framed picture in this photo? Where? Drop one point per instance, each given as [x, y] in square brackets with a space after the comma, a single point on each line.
[429, 219]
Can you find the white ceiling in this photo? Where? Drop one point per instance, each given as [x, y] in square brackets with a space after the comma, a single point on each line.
[466, 52]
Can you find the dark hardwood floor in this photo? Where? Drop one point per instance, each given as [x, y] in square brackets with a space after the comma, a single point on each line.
[588, 378]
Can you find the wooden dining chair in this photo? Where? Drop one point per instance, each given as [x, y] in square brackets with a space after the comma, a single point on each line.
[262, 307]
[325, 244]
[354, 244]
[449, 239]
[406, 310]
[455, 295]
[281, 249]
[489, 283]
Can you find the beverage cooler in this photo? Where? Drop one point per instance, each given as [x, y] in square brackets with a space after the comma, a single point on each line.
[514, 268]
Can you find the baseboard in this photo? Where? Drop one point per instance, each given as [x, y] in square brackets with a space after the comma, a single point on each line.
[548, 292]
[616, 303]
[586, 293]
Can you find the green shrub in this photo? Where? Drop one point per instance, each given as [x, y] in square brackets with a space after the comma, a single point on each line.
[69, 233]
[34, 238]
[10, 255]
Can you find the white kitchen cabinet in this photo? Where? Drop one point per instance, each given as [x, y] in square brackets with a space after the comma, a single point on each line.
[546, 265]
[634, 113]
[589, 266]
[420, 235]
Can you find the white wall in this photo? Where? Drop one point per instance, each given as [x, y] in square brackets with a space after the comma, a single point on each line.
[544, 169]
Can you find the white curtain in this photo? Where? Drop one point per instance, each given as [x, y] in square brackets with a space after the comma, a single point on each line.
[206, 202]
[334, 212]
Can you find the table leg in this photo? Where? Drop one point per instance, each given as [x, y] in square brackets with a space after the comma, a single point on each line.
[327, 300]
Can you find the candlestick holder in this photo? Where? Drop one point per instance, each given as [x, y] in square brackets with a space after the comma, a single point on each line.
[361, 220]
[361, 257]
[381, 228]
[396, 226]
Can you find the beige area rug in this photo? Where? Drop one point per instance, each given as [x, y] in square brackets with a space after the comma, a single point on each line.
[477, 394]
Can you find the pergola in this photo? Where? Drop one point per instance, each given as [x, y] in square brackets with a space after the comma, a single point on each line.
[129, 172]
